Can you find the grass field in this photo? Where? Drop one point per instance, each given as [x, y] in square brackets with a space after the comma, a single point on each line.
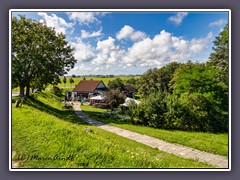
[104, 79]
[78, 79]
[214, 143]
[46, 136]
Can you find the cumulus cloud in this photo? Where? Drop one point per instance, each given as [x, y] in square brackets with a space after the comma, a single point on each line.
[129, 32]
[178, 18]
[107, 52]
[82, 51]
[82, 67]
[60, 25]
[86, 34]
[219, 22]
[85, 18]
[164, 48]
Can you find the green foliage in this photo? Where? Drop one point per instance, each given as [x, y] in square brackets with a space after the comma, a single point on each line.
[39, 55]
[116, 84]
[43, 129]
[152, 109]
[56, 81]
[185, 97]
[133, 111]
[155, 80]
[114, 98]
[199, 101]
[57, 91]
[209, 142]
[64, 80]
[71, 81]
[220, 57]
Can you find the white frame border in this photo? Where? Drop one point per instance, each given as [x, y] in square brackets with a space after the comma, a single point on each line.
[116, 10]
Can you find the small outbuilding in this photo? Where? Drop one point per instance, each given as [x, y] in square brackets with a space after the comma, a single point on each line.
[129, 90]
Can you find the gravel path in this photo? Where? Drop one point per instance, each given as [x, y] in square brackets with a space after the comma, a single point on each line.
[176, 149]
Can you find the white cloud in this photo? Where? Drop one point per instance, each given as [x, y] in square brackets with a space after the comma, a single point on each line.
[85, 17]
[83, 52]
[129, 32]
[82, 67]
[219, 22]
[164, 48]
[60, 25]
[86, 34]
[178, 18]
[107, 52]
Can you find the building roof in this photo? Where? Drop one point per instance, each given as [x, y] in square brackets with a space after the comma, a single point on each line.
[86, 86]
[129, 88]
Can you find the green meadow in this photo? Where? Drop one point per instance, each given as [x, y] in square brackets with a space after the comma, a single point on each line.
[44, 135]
[209, 142]
[104, 79]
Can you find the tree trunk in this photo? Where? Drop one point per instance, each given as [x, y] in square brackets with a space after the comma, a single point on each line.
[22, 90]
[28, 90]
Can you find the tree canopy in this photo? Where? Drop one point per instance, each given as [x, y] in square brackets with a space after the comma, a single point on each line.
[116, 84]
[39, 54]
[155, 80]
[220, 57]
[187, 96]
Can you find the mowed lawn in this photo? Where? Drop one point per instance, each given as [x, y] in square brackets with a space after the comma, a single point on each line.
[209, 142]
[47, 136]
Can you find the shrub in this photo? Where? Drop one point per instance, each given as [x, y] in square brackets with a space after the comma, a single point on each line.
[151, 110]
[57, 91]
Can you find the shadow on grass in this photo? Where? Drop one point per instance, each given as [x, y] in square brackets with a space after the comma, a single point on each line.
[66, 115]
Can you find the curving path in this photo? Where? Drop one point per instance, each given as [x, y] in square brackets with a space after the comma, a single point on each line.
[176, 149]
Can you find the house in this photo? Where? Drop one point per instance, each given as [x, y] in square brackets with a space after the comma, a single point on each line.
[129, 91]
[88, 88]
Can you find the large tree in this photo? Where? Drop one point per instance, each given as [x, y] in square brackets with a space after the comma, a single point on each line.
[199, 101]
[155, 80]
[220, 57]
[39, 54]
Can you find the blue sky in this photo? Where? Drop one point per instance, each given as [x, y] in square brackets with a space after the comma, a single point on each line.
[132, 42]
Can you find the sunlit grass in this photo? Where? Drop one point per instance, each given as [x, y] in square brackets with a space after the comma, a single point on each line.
[214, 143]
[42, 129]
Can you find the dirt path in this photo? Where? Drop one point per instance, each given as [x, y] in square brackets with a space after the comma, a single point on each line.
[176, 149]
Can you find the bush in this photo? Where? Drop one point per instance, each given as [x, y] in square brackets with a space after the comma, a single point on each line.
[195, 112]
[57, 91]
[114, 98]
[151, 110]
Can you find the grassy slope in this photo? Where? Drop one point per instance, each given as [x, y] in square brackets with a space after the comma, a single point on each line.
[41, 128]
[214, 143]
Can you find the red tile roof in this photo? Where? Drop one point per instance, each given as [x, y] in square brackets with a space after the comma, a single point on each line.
[86, 86]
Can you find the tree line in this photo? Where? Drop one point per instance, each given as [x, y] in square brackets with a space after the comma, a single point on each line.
[187, 96]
